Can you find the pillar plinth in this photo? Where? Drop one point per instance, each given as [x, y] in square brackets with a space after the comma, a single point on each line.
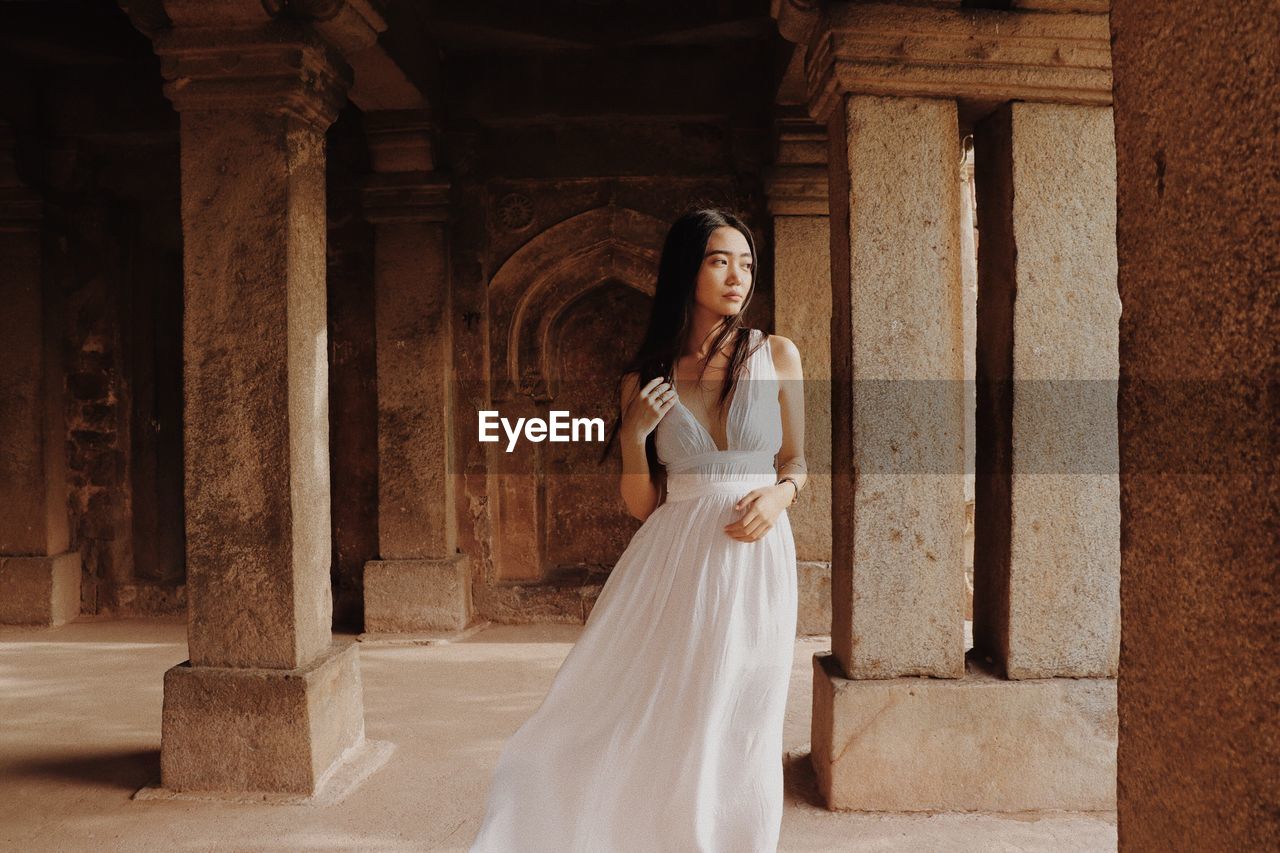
[41, 590]
[409, 596]
[250, 729]
[420, 582]
[39, 576]
[978, 743]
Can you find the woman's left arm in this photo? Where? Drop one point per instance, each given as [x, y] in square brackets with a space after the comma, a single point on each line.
[765, 504]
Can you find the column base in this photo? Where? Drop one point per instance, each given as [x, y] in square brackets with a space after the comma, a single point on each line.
[40, 590]
[275, 731]
[977, 743]
[417, 596]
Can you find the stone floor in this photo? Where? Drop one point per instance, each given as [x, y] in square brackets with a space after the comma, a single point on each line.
[80, 733]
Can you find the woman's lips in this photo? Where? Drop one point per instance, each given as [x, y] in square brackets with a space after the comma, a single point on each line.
[735, 297]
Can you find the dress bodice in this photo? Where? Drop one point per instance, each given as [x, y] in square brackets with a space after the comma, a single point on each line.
[753, 430]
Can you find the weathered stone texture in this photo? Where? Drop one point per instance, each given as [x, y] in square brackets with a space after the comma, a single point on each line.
[814, 588]
[245, 730]
[898, 564]
[416, 511]
[1047, 573]
[40, 590]
[912, 50]
[802, 287]
[258, 532]
[417, 595]
[977, 743]
[1197, 109]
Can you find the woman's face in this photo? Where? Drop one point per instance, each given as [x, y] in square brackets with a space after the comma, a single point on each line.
[724, 279]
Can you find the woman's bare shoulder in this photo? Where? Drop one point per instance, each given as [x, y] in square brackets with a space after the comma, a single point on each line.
[786, 356]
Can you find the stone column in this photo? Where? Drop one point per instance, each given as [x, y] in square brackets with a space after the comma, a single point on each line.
[902, 720]
[420, 582]
[797, 194]
[268, 700]
[39, 576]
[1047, 568]
[898, 563]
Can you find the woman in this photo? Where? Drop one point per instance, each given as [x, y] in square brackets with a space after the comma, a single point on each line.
[662, 730]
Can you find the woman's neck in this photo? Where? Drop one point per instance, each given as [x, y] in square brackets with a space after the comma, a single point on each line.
[703, 332]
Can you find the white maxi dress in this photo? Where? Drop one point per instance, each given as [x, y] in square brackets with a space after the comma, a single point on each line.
[662, 729]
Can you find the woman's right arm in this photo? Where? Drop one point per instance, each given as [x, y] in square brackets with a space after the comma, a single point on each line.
[642, 409]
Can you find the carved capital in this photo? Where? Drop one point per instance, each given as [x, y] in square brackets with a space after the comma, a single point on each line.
[280, 67]
[406, 197]
[981, 54]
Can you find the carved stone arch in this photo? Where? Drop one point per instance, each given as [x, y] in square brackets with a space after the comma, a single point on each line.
[551, 272]
[532, 351]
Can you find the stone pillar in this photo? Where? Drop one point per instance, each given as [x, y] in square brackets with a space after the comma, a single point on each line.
[420, 582]
[1199, 257]
[902, 720]
[1047, 568]
[39, 576]
[797, 193]
[898, 570]
[268, 700]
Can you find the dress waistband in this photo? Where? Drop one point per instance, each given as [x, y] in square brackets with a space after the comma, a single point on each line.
[684, 487]
[749, 461]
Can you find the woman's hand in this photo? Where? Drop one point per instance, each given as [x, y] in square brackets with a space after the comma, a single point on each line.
[763, 506]
[648, 408]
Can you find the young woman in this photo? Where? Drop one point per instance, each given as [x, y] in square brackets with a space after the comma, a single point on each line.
[662, 730]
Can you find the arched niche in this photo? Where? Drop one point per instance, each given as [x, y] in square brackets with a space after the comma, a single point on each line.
[551, 272]
[586, 524]
[566, 310]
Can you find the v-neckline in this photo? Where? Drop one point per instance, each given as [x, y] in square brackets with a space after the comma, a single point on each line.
[706, 431]
[728, 418]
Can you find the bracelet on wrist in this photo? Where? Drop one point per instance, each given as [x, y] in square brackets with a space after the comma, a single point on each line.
[795, 487]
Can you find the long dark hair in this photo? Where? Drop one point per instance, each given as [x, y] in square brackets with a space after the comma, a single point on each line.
[671, 320]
